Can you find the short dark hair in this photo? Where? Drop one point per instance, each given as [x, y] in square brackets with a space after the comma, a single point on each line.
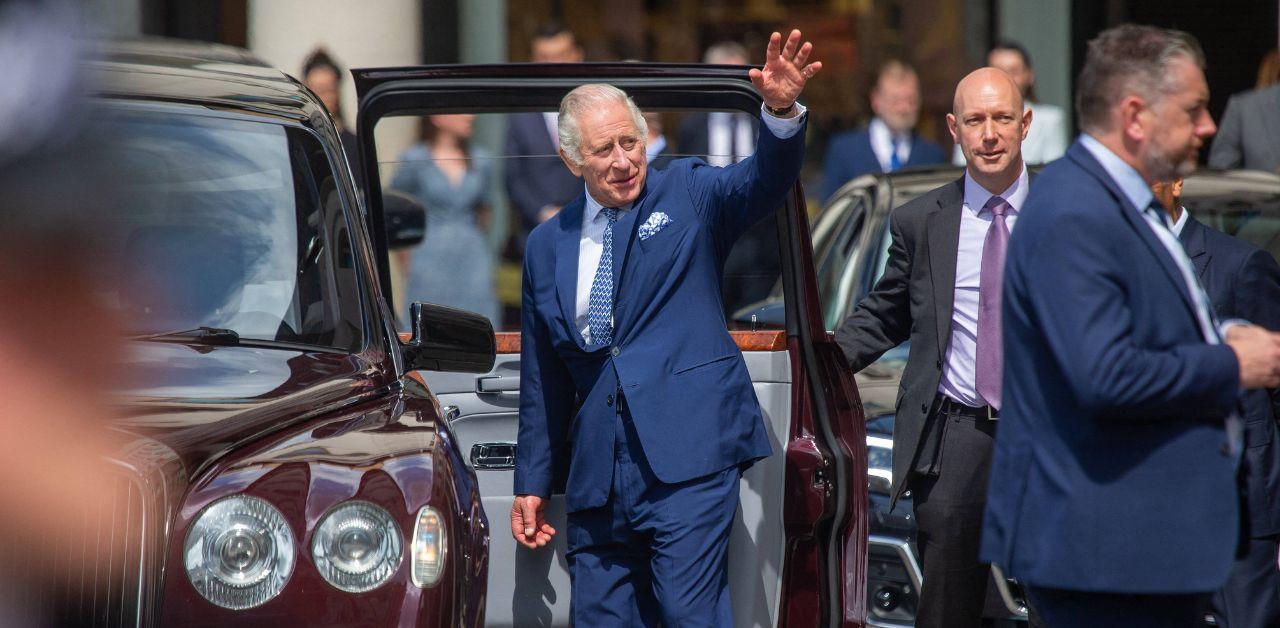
[1009, 44]
[552, 29]
[320, 59]
[1126, 59]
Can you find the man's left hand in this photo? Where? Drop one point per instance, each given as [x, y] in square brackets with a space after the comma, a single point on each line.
[785, 72]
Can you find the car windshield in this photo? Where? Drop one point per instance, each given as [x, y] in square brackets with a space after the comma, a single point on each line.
[226, 223]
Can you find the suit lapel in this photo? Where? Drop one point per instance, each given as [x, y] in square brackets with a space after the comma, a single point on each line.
[1085, 160]
[943, 235]
[568, 237]
[1192, 238]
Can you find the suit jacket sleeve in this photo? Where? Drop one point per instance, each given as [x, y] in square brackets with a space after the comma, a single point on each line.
[520, 171]
[835, 169]
[1258, 299]
[732, 199]
[1227, 150]
[882, 319]
[1073, 289]
[546, 402]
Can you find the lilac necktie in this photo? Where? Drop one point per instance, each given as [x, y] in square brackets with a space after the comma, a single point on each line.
[990, 351]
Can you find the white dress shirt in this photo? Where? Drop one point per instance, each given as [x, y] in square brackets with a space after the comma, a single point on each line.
[884, 142]
[730, 138]
[591, 245]
[1180, 223]
[959, 373]
[552, 120]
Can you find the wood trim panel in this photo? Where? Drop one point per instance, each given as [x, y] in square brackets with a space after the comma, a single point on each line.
[770, 340]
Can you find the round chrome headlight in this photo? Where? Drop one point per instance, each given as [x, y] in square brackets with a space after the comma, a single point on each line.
[357, 547]
[239, 552]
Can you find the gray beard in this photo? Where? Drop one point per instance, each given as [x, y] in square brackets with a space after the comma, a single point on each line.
[1163, 167]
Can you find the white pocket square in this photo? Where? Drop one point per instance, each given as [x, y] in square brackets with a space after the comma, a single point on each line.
[655, 223]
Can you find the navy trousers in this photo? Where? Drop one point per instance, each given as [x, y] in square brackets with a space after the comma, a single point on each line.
[1060, 608]
[656, 551]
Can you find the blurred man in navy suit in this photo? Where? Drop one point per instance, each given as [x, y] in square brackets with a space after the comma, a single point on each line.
[889, 141]
[1113, 493]
[1243, 282]
[632, 392]
[537, 183]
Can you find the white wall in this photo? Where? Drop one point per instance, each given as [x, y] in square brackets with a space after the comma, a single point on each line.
[357, 34]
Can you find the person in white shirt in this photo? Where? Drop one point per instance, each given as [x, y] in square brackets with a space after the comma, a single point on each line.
[1048, 139]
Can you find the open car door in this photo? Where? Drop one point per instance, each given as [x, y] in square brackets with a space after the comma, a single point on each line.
[797, 555]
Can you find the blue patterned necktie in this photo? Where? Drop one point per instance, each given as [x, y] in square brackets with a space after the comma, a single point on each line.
[600, 304]
[895, 162]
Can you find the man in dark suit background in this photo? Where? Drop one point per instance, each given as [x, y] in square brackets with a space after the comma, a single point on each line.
[633, 396]
[1250, 133]
[889, 141]
[941, 289]
[1243, 282]
[1112, 492]
[538, 184]
[720, 137]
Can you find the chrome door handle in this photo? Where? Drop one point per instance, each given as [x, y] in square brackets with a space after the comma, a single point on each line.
[493, 456]
[497, 385]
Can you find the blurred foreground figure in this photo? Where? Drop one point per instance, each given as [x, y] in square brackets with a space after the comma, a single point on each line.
[1113, 491]
[58, 349]
[1243, 281]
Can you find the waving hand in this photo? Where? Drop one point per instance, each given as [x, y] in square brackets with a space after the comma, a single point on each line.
[785, 71]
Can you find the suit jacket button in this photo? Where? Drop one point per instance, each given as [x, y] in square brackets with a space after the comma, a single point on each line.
[615, 351]
[924, 407]
[609, 400]
[939, 362]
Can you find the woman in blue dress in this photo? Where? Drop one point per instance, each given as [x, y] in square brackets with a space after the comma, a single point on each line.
[454, 181]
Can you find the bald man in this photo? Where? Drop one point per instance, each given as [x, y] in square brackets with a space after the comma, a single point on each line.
[941, 290]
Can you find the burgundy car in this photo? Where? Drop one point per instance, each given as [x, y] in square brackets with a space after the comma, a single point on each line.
[281, 461]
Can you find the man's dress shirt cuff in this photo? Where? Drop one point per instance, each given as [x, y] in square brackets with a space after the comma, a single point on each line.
[1228, 324]
[783, 128]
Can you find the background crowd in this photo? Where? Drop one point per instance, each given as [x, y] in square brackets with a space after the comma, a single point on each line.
[457, 180]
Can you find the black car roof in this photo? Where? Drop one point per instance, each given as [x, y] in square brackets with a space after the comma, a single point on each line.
[199, 73]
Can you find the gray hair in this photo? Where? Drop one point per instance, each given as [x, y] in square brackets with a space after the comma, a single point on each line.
[587, 98]
[1125, 60]
[725, 52]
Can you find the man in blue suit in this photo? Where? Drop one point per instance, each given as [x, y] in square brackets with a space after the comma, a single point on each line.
[1112, 493]
[632, 392]
[1243, 282]
[889, 141]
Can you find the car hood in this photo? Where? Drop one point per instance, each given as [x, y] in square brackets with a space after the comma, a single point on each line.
[200, 401]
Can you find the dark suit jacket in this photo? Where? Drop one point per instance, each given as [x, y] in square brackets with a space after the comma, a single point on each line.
[1110, 470]
[849, 154]
[1243, 281]
[693, 140]
[533, 183]
[684, 379]
[1249, 136]
[913, 300]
